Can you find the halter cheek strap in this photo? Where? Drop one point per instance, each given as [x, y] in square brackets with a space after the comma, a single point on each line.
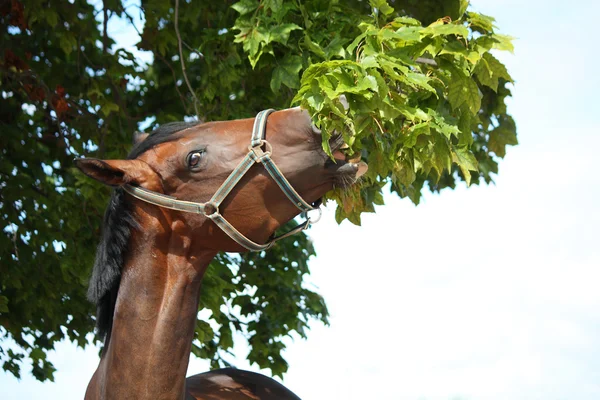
[259, 152]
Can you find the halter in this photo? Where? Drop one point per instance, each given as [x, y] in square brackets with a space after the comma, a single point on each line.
[259, 151]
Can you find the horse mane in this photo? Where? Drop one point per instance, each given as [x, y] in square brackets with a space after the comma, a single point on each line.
[116, 232]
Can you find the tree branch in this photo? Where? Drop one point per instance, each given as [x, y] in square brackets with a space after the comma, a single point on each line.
[104, 27]
[164, 60]
[190, 48]
[180, 43]
[14, 240]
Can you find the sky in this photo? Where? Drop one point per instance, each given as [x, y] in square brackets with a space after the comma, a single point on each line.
[489, 292]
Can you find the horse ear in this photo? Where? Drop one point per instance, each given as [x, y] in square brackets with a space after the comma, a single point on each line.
[139, 137]
[116, 172]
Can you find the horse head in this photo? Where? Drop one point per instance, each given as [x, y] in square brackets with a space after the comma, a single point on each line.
[190, 163]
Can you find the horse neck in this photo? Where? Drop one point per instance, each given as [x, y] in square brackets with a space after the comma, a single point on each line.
[154, 318]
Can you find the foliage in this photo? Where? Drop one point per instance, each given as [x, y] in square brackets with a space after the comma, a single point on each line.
[68, 90]
[421, 104]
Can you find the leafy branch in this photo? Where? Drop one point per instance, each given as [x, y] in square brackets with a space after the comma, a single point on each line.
[421, 100]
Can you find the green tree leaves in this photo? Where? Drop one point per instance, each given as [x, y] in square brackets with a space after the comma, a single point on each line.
[382, 6]
[286, 72]
[3, 304]
[245, 6]
[416, 93]
[425, 107]
[59, 104]
[462, 90]
[260, 31]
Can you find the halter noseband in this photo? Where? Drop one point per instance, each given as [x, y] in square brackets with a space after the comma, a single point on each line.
[256, 154]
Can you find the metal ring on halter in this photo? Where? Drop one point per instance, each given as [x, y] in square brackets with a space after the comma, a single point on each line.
[258, 150]
[210, 207]
[311, 220]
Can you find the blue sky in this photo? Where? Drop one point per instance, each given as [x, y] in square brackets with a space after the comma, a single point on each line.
[482, 293]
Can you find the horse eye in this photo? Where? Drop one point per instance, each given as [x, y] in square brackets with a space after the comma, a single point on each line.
[194, 158]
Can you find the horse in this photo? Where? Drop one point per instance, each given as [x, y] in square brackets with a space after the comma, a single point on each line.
[184, 193]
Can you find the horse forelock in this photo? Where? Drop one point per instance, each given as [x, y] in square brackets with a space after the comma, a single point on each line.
[116, 231]
[160, 135]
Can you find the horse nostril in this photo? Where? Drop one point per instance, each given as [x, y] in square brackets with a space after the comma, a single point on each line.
[315, 129]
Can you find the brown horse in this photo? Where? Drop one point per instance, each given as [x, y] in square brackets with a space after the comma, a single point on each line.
[153, 254]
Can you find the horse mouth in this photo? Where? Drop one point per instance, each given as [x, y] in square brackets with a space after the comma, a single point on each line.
[348, 167]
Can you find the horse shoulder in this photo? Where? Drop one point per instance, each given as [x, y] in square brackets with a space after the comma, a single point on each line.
[235, 384]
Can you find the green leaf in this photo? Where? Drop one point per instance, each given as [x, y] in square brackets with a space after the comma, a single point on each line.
[406, 21]
[419, 80]
[365, 85]
[457, 47]
[472, 96]
[204, 332]
[504, 42]
[312, 46]
[225, 338]
[463, 90]
[369, 62]
[316, 102]
[439, 28]
[37, 354]
[3, 304]
[352, 46]
[335, 47]
[464, 124]
[339, 215]
[442, 157]
[412, 113]
[286, 72]
[415, 131]
[481, 21]
[68, 43]
[463, 7]
[51, 17]
[485, 75]
[503, 135]
[441, 125]
[465, 160]
[354, 217]
[402, 34]
[483, 44]
[497, 68]
[245, 6]
[281, 33]
[382, 6]
[404, 172]
[109, 107]
[253, 41]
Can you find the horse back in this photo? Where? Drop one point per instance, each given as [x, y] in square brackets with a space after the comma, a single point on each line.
[235, 384]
